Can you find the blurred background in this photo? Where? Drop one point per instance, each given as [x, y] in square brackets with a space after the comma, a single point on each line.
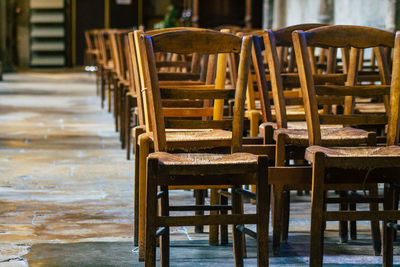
[49, 33]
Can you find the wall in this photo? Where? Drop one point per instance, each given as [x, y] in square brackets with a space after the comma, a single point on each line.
[373, 13]
[302, 11]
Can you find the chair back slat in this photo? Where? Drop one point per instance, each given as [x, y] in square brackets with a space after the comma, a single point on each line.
[361, 90]
[179, 93]
[349, 36]
[394, 115]
[259, 69]
[189, 112]
[354, 119]
[283, 36]
[208, 42]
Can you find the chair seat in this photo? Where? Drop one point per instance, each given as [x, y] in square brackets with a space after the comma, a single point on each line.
[358, 157]
[364, 108]
[344, 136]
[302, 125]
[193, 139]
[204, 158]
[206, 164]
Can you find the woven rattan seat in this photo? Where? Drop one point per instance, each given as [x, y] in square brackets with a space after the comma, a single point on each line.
[190, 140]
[330, 136]
[204, 158]
[300, 125]
[370, 108]
[368, 157]
[197, 135]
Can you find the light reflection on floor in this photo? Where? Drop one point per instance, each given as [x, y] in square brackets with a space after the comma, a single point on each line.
[66, 191]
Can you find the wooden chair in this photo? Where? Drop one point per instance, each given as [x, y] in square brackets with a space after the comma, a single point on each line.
[285, 60]
[91, 53]
[120, 80]
[283, 79]
[122, 83]
[348, 168]
[101, 73]
[106, 66]
[184, 140]
[204, 169]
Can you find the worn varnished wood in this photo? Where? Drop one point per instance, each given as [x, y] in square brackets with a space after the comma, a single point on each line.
[324, 159]
[203, 170]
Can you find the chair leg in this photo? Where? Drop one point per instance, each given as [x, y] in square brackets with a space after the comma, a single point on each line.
[122, 127]
[151, 213]
[343, 229]
[110, 79]
[138, 131]
[243, 235]
[278, 206]
[277, 194]
[388, 233]
[224, 228]
[285, 216]
[236, 234]
[136, 196]
[128, 128]
[396, 207]
[199, 196]
[254, 124]
[116, 103]
[102, 86]
[97, 82]
[213, 234]
[375, 229]
[317, 210]
[353, 224]
[262, 202]
[144, 143]
[164, 238]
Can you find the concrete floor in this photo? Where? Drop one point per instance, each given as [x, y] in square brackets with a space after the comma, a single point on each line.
[66, 190]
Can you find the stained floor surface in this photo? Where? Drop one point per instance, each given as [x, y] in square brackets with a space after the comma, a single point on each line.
[66, 189]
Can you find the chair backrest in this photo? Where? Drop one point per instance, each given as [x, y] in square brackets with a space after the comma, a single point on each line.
[274, 42]
[338, 36]
[394, 115]
[189, 42]
[117, 52]
[168, 78]
[97, 46]
[104, 45]
[89, 39]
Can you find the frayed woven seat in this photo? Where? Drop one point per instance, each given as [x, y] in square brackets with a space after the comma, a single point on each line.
[330, 136]
[204, 158]
[299, 125]
[197, 135]
[358, 157]
[374, 108]
[193, 139]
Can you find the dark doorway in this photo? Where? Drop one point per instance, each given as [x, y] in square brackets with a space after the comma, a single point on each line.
[89, 15]
[123, 15]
